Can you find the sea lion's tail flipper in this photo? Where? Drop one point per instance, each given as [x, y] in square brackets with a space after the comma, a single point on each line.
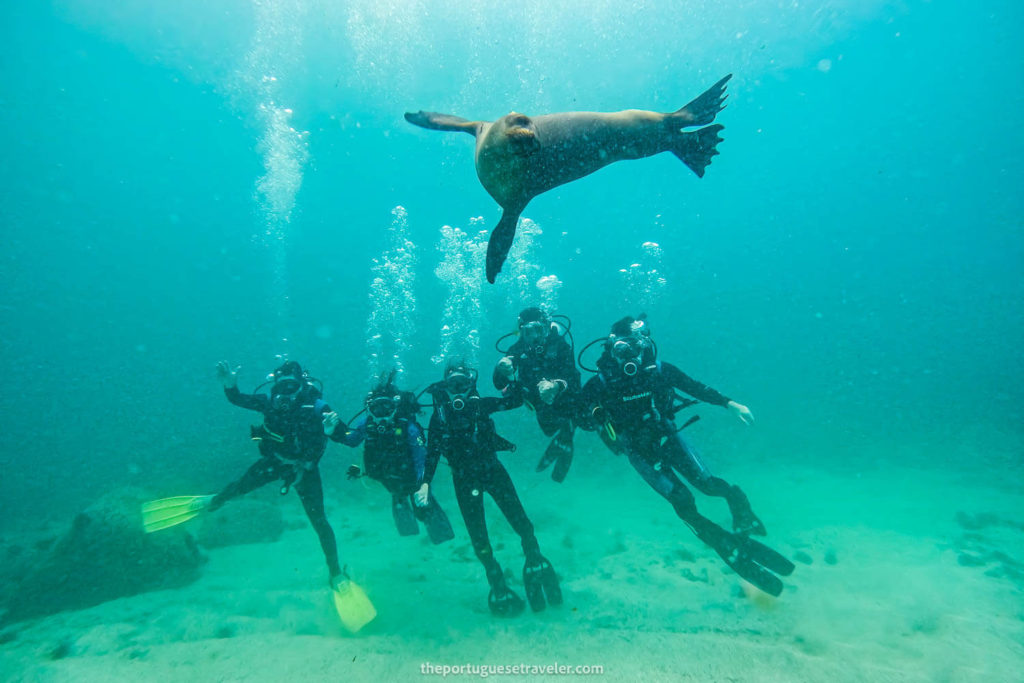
[435, 121]
[694, 149]
[703, 109]
[501, 241]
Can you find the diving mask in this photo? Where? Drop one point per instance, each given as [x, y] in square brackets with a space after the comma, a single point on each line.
[628, 352]
[382, 407]
[285, 392]
[458, 385]
[534, 333]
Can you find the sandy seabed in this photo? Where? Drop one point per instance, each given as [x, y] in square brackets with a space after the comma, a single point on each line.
[901, 576]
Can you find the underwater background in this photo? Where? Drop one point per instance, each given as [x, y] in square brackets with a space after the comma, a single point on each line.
[193, 181]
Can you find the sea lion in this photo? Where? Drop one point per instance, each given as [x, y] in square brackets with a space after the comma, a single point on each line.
[518, 157]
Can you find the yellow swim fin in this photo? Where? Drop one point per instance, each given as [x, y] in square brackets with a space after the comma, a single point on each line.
[168, 512]
[354, 608]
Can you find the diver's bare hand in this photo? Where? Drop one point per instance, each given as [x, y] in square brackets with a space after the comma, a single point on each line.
[331, 422]
[549, 390]
[227, 376]
[422, 496]
[506, 368]
[741, 411]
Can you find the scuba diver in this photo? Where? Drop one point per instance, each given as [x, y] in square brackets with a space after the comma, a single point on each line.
[462, 430]
[291, 442]
[632, 402]
[395, 454]
[542, 363]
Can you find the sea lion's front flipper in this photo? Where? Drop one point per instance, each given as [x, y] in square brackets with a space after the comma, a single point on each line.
[703, 109]
[501, 241]
[435, 121]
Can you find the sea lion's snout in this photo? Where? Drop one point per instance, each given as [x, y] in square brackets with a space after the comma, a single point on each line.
[521, 133]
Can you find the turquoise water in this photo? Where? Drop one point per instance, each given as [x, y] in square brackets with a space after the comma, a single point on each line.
[849, 266]
[192, 182]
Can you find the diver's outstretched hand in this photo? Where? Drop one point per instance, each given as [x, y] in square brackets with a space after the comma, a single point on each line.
[741, 411]
[331, 422]
[227, 376]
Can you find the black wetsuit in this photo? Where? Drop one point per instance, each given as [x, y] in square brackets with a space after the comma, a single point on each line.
[552, 361]
[635, 417]
[395, 454]
[291, 443]
[468, 441]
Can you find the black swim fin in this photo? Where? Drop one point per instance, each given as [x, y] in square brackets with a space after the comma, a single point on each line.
[748, 524]
[439, 528]
[563, 442]
[753, 560]
[753, 572]
[744, 521]
[405, 519]
[559, 450]
[503, 601]
[767, 558]
[748, 558]
[551, 454]
[540, 580]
